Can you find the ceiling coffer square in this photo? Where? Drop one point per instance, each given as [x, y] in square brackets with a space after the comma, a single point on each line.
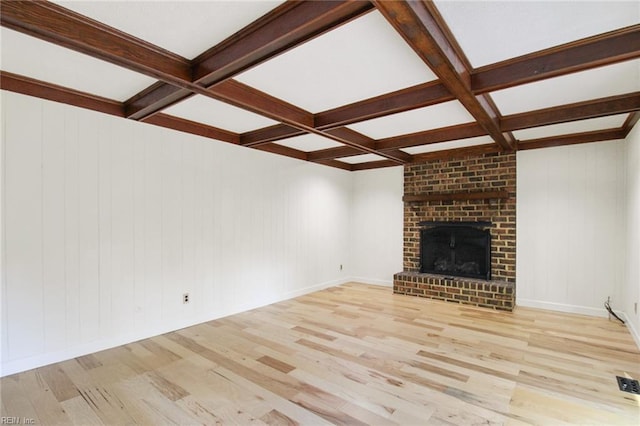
[348, 84]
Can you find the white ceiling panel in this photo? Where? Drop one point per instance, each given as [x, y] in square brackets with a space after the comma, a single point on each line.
[218, 114]
[431, 117]
[600, 123]
[187, 28]
[592, 84]
[365, 158]
[34, 58]
[310, 142]
[481, 140]
[359, 60]
[492, 31]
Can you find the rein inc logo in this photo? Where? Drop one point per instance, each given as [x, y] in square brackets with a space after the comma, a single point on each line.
[5, 420]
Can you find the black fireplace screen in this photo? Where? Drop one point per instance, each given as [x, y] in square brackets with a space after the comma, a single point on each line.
[455, 250]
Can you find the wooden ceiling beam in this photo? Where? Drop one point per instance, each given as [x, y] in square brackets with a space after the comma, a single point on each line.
[194, 128]
[252, 99]
[269, 134]
[354, 141]
[404, 156]
[345, 132]
[373, 165]
[457, 152]
[352, 135]
[407, 99]
[154, 99]
[56, 24]
[282, 150]
[363, 144]
[611, 105]
[28, 86]
[578, 111]
[287, 26]
[340, 164]
[443, 134]
[331, 153]
[488, 105]
[604, 49]
[248, 98]
[631, 121]
[420, 24]
[418, 96]
[573, 139]
[600, 50]
[61, 26]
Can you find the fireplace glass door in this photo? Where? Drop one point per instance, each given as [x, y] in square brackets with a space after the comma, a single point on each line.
[462, 251]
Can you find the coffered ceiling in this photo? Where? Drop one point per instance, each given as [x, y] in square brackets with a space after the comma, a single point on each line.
[348, 84]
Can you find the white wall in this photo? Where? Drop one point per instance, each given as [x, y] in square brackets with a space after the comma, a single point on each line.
[631, 287]
[377, 221]
[107, 222]
[571, 227]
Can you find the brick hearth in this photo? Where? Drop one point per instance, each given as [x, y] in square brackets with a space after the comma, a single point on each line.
[485, 173]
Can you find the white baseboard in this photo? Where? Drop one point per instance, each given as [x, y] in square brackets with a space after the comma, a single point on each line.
[562, 307]
[317, 287]
[23, 364]
[372, 281]
[17, 366]
[632, 329]
[583, 310]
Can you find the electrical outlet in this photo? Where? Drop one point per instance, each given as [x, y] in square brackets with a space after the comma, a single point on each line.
[341, 267]
[185, 298]
[635, 308]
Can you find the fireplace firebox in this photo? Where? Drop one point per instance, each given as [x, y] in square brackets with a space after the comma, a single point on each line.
[456, 249]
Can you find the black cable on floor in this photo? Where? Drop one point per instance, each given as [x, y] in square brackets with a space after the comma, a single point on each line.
[608, 308]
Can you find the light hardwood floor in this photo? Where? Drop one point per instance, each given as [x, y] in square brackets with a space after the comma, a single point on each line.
[354, 354]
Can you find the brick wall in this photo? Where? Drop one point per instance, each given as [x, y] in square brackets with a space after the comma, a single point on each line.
[488, 294]
[487, 172]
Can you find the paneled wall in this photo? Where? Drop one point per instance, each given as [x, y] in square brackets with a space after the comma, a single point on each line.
[107, 222]
[571, 227]
[631, 288]
[376, 239]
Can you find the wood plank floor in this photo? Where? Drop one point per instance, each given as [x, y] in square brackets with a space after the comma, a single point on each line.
[353, 354]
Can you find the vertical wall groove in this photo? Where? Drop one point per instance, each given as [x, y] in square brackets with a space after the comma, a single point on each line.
[128, 216]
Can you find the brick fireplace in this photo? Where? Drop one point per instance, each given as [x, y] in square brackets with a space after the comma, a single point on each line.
[476, 190]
